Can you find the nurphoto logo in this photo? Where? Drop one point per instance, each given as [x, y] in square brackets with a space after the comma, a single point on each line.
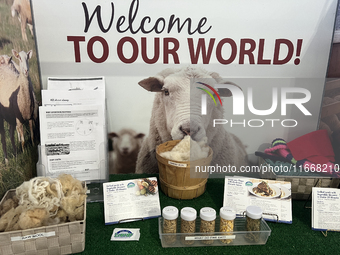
[204, 97]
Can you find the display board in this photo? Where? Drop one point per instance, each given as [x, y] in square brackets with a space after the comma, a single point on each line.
[20, 95]
[275, 52]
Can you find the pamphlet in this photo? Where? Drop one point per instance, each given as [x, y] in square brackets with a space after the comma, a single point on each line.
[325, 209]
[273, 197]
[73, 141]
[73, 124]
[131, 200]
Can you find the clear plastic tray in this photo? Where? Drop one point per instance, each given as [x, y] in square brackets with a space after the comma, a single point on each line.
[240, 236]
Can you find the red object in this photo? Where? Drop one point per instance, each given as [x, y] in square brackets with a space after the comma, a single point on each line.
[316, 147]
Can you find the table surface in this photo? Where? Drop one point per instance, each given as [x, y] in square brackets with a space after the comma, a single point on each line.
[295, 238]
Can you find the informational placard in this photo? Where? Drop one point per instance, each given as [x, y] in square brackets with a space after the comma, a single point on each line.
[273, 197]
[325, 209]
[73, 141]
[131, 200]
[266, 65]
[74, 128]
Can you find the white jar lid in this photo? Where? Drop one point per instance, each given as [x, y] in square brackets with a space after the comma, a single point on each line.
[188, 214]
[254, 212]
[207, 214]
[170, 213]
[227, 213]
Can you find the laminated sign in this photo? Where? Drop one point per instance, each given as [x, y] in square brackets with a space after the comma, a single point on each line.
[236, 73]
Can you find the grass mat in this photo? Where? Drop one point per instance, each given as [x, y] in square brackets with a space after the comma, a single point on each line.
[296, 238]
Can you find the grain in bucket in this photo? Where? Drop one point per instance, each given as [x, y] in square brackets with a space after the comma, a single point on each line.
[174, 176]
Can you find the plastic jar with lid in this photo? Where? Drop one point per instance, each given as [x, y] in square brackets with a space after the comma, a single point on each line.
[253, 222]
[208, 219]
[188, 223]
[170, 215]
[227, 219]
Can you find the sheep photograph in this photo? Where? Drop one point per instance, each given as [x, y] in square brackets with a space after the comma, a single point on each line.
[19, 95]
[125, 146]
[176, 113]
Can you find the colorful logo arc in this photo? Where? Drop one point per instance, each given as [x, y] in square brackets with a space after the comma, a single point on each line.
[208, 92]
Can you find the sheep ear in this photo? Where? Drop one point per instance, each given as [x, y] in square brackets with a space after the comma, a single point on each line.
[113, 135]
[140, 135]
[15, 53]
[224, 92]
[29, 54]
[152, 84]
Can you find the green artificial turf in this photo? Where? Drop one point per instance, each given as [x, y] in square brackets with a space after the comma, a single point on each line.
[296, 238]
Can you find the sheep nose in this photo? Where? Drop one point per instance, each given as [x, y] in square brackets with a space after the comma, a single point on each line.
[185, 130]
[125, 150]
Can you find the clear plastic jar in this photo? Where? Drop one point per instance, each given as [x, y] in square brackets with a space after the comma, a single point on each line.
[208, 219]
[170, 215]
[227, 219]
[188, 223]
[253, 222]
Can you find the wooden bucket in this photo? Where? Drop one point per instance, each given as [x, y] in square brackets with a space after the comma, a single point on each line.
[174, 176]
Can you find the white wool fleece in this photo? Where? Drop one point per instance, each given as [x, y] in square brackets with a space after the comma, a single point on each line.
[188, 150]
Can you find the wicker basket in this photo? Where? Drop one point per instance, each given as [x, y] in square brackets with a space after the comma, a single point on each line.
[66, 238]
[301, 185]
[175, 178]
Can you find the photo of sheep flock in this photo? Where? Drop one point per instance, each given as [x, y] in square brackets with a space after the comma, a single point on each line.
[19, 94]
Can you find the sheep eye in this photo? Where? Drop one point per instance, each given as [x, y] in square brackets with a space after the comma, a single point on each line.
[166, 92]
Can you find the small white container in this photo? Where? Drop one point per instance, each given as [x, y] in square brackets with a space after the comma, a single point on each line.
[253, 222]
[170, 215]
[188, 223]
[254, 212]
[227, 218]
[208, 218]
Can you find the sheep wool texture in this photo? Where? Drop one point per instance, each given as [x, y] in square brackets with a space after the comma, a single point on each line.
[44, 201]
[188, 150]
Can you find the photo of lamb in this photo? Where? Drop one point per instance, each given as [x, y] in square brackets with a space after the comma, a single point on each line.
[176, 113]
[19, 95]
[125, 146]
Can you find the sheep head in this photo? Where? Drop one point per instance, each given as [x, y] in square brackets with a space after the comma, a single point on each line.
[180, 100]
[126, 141]
[23, 58]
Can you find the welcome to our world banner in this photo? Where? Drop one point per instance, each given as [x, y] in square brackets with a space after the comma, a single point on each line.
[276, 52]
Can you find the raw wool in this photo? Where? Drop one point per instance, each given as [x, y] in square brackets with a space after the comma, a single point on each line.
[188, 149]
[43, 202]
[71, 185]
[33, 218]
[9, 204]
[74, 206]
[41, 192]
[72, 203]
[9, 221]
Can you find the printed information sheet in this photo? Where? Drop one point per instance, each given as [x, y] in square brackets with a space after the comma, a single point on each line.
[73, 140]
[325, 209]
[274, 197]
[131, 200]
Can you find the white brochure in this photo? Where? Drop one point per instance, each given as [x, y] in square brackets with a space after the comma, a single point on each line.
[76, 84]
[325, 209]
[73, 141]
[72, 97]
[273, 197]
[131, 200]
